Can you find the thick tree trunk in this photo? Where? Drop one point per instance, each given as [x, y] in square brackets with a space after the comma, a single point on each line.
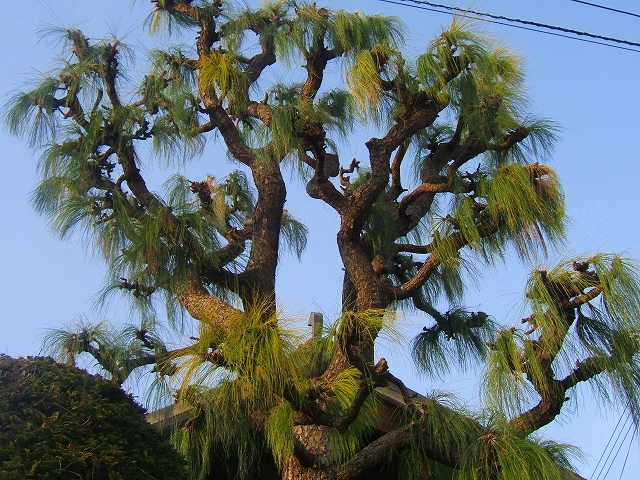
[370, 292]
[313, 446]
[294, 470]
[265, 242]
[349, 294]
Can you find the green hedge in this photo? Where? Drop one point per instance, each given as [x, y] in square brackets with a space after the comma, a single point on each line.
[58, 422]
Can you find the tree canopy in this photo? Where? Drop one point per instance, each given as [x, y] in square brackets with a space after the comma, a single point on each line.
[453, 179]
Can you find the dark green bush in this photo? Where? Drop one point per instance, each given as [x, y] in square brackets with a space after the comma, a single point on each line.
[58, 422]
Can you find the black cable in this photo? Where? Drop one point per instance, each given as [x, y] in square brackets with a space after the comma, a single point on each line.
[614, 445]
[524, 22]
[399, 2]
[595, 469]
[618, 451]
[555, 34]
[627, 457]
[606, 8]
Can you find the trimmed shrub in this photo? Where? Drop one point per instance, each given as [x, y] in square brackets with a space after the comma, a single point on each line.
[59, 422]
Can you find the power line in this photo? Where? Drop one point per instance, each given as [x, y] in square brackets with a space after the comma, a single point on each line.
[497, 20]
[520, 27]
[525, 22]
[618, 451]
[609, 460]
[438, 8]
[627, 457]
[604, 7]
[593, 475]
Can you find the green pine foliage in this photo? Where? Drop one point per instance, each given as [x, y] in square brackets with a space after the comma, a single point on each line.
[458, 339]
[204, 253]
[503, 456]
[597, 338]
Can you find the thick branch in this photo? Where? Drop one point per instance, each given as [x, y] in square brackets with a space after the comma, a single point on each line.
[444, 184]
[410, 248]
[416, 204]
[542, 414]
[376, 453]
[232, 139]
[258, 63]
[209, 309]
[320, 187]
[317, 60]
[110, 72]
[376, 377]
[261, 111]
[585, 371]
[236, 246]
[370, 458]
[567, 299]
[207, 35]
[396, 182]
[408, 289]
[583, 299]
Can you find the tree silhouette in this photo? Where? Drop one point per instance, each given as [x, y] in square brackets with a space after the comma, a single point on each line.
[452, 181]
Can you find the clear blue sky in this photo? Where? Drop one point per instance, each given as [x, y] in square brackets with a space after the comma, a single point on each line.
[592, 91]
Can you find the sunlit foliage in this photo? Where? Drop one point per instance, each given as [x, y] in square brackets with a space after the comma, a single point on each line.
[451, 182]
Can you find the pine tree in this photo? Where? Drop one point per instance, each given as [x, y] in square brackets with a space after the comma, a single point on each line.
[453, 178]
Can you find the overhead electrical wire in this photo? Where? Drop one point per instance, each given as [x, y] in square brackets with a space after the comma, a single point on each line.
[627, 457]
[604, 7]
[618, 451]
[446, 9]
[604, 452]
[525, 22]
[613, 447]
[509, 22]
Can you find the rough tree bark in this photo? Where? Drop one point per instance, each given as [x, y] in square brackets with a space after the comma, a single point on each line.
[380, 271]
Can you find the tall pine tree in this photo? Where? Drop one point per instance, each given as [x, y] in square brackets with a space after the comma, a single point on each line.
[450, 179]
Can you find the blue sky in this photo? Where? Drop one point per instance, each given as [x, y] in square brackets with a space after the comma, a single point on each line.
[591, 91]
